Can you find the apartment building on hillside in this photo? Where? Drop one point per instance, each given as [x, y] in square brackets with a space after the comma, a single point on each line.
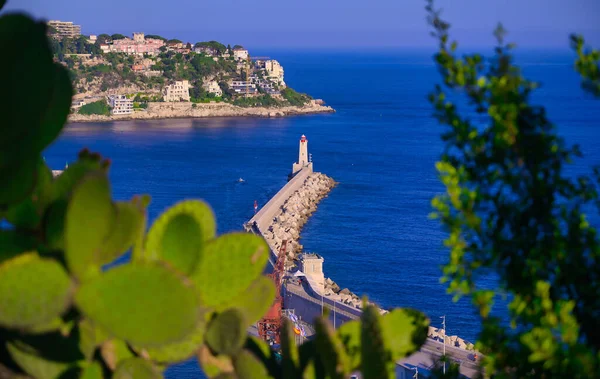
[120, 104]
[178, 91]
[65, 28]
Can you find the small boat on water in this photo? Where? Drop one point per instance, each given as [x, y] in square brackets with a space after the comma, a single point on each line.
[241, 180]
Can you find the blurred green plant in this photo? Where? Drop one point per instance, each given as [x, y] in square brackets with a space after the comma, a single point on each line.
[513, 213]
[185, 292]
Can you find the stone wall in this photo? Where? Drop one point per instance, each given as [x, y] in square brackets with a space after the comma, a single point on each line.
[191, 110]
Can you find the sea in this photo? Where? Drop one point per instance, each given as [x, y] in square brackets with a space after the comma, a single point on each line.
[380, 145]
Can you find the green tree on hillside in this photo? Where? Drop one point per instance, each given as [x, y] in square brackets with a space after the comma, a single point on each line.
[103, 38]
[512, 211]
[99, 107]
[155, 36]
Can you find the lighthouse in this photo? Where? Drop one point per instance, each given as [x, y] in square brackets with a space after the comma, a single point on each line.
[303, 159]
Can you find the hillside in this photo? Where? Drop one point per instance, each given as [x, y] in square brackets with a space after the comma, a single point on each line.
[143, 67]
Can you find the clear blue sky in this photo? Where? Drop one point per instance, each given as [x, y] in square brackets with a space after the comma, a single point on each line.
[327, 23]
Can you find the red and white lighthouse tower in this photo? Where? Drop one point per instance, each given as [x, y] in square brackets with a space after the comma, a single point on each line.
[302, 156]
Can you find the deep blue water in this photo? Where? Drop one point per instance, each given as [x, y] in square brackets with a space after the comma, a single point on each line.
[381, 145]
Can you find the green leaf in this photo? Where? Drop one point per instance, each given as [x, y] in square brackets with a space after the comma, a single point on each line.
[93, 371]
[179, 235]
[28, 71]
[256, 300]
[291, 358]
[214, 365]
[90, 215]
[33, 291]
[405, 331]
[127, 227]
[331, 350]
[57, 109]
[226, 333]
[86, 164]
[54, 224]
[90, 337]
[136, 368]
[179, 351]
[18, 182]
[247, 366]
[33, 364]
[349, 335]
[229, 265]
[114, 351]
[376, 359]
[27, 214]
[13, 243]
[144, 303]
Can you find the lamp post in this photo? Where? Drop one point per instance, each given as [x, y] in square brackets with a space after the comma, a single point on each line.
[334, 315]
[444, 329]
[321, 304]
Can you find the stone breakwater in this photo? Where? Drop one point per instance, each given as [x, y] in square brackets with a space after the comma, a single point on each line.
[190, 110]
[294, 213]
[287, 225]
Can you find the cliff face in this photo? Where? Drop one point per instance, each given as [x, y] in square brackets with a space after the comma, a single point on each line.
[183, 110]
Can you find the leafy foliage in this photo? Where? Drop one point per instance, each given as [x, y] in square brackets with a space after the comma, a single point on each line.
[97, 107]
[257, 101]
[295, 98]
[587, 65]
[185, 291]
[511, 210]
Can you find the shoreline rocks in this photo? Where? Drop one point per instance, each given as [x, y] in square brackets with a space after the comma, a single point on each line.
[190, 110]
[287, 225]
[294, 213]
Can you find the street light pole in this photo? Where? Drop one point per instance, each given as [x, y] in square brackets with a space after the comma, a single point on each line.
[334, 315]
[321, 304]
[444, 329]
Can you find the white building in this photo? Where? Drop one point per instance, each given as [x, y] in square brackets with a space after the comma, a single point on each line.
[213, 87]
[65, 28]
[312, 266]
[178, 91]
[242, 87]
[120, 104]
[274, 72]
[240, 53]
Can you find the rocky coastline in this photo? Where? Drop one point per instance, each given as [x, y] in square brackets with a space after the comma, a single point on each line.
[294, 213]
[287, 225]
[202, 110]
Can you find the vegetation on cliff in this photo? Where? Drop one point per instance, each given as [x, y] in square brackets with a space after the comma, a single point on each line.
[99, 107]
[102, 73]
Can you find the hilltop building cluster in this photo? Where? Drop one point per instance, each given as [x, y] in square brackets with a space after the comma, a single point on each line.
[128, 72]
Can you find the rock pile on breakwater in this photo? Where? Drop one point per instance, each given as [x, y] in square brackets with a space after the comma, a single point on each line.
[292, 216]
[294, 213]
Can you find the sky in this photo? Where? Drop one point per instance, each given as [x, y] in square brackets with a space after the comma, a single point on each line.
[341, 24]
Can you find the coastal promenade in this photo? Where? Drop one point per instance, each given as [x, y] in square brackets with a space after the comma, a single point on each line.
[308, 299]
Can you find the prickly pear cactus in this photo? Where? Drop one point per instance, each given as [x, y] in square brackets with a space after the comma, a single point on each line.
[185, 291]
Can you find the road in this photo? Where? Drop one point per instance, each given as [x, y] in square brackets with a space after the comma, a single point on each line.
[308, 307]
